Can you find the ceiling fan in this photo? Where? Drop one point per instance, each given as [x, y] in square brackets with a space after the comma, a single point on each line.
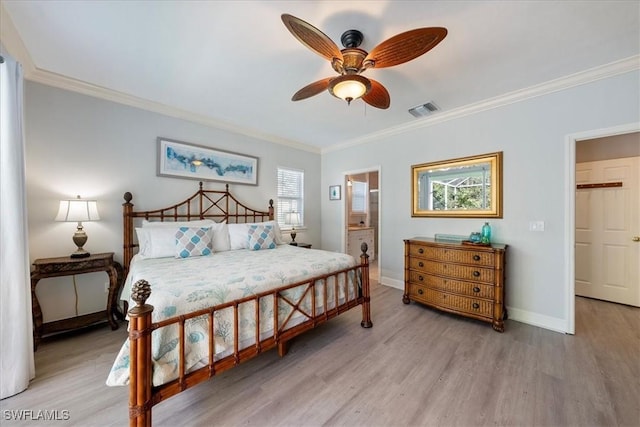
[352, 61]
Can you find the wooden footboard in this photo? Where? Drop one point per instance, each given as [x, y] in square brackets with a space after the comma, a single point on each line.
[143, 395]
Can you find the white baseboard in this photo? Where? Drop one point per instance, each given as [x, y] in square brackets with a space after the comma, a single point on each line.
[540, 320]
[393, 283]
[523, 316]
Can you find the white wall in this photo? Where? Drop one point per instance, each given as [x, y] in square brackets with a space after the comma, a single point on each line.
[531, 134]
[98, 149]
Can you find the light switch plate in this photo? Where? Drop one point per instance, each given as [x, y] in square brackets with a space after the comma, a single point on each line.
[536, 225]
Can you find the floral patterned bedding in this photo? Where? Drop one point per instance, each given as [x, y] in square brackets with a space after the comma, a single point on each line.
[180, 286]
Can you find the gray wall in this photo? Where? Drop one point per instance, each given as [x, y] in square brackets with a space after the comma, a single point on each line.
[533, 136]
[98, 149]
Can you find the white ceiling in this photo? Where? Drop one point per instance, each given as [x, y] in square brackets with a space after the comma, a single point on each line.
[234, 64]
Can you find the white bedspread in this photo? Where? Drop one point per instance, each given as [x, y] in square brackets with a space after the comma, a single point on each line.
[180, 286]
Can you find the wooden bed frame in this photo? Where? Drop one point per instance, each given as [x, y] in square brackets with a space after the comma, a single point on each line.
[219, 206]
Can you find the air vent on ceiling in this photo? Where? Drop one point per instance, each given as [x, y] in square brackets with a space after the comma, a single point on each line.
[424, 109]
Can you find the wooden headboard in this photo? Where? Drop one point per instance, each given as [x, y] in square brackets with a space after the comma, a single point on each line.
[216, 205]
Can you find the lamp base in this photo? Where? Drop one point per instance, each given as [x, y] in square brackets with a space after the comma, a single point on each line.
[293, 238]
[80, 253]
[80, 238]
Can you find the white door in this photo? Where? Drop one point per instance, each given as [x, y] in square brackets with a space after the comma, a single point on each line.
[607, 230]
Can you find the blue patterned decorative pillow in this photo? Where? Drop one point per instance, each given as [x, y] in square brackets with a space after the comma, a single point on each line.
[193, 241]
[261, 237]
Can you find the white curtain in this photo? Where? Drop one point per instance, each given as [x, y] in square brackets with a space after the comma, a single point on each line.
[16, 333]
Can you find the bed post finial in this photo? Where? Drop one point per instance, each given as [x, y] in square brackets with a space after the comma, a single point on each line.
[200, 185]
[128, 197]
[141, 292]
[226, 186]
[271, 210]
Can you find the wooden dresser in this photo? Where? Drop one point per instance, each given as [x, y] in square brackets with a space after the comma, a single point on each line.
[460, 279]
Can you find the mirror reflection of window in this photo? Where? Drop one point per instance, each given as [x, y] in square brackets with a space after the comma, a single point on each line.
[359, 197]
[467, 187]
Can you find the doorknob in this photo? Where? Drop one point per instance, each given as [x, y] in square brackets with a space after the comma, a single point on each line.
[636, 238]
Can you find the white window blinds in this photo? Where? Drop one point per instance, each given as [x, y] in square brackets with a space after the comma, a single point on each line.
[359, 197]
[290, 196]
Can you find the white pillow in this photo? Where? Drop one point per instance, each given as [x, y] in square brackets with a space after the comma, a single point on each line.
[220, 242]
[220, 237]
[238, 234]
[156, 242]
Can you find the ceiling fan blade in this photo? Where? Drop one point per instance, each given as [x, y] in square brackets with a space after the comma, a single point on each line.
[312, 89]
[404, 47]
[312, 37]
[378, 96]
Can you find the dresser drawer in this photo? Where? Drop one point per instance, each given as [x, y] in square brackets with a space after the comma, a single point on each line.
[472, 257]
[452, 270]
[469, 305]
[454, 286]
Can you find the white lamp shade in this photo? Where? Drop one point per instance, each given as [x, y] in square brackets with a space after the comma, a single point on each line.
[78, 210]
[292, 218]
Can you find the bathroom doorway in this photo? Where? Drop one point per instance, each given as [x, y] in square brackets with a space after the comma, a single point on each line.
[362, 215]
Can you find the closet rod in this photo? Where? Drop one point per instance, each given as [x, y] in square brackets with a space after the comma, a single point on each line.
[599, 185]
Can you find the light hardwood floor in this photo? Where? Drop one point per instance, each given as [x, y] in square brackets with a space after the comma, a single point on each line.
[416, 366]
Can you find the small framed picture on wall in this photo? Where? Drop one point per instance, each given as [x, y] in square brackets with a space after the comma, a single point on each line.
[334, 192]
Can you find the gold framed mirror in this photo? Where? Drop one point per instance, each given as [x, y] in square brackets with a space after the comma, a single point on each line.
[469, 187]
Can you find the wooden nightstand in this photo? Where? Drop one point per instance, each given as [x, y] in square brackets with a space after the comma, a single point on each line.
[67, 266]
[301, 245]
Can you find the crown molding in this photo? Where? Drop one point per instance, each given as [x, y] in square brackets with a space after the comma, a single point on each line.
[593, 74]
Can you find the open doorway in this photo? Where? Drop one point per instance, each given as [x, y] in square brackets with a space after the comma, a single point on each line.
[577, 248]
[362, 215]
[607, 217]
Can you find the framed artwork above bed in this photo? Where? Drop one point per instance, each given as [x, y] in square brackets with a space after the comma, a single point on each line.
[183, 160]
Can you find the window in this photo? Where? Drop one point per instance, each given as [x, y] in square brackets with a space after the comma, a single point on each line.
[290, 196]
[359, 197]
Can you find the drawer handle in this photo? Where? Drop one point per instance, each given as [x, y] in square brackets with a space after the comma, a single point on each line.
[476, 305]
[421, 251]
[421, 264]
[420, 291]
[476, 289]
[476, 257]
[476, 273]
[420, 278]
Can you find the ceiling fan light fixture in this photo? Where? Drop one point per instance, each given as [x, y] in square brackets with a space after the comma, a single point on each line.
[349, 87]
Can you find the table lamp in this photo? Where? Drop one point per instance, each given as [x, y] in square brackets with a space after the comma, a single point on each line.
[292, 219]
[78, 210]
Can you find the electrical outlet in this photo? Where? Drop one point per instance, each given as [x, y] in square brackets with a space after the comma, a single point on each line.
[536, 225]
